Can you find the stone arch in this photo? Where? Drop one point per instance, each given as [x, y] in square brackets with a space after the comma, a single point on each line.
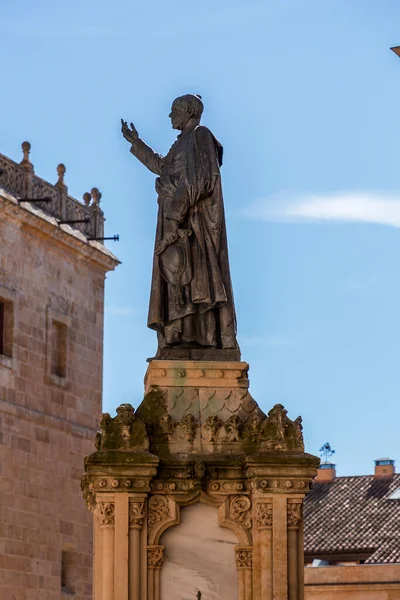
[167, 511]
[239, 525]
[199, 554]
[163, 513]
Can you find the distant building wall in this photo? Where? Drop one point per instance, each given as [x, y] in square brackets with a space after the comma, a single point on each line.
[51, 313]
[364, 582]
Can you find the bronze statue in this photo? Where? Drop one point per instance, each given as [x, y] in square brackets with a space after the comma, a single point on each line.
[191, 302]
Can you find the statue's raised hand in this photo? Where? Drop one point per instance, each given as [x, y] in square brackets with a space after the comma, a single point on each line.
[129, 134]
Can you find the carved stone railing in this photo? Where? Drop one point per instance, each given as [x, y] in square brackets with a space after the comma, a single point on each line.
[20, 181]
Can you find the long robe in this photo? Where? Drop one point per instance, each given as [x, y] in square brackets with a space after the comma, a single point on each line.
[198, 309]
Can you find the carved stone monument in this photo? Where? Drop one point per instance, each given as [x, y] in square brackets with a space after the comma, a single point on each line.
[197, 493]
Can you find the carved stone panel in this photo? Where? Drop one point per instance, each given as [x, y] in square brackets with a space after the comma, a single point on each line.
[241, 511]
[158, 510]
[264, 514]
[212, 426]
[294, 514]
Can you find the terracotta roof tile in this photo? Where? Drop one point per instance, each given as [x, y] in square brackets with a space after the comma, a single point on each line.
[354, 514]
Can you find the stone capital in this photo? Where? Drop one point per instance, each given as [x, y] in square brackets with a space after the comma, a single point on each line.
[244, 557]
[105, 511]
[155, 557]
[137, 513]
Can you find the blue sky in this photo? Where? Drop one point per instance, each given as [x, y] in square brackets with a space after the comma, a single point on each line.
[304, 96]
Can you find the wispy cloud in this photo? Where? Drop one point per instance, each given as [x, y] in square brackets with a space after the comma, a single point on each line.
[342, 206]
[121, 311]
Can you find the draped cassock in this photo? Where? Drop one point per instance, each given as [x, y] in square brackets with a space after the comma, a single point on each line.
[191, 301]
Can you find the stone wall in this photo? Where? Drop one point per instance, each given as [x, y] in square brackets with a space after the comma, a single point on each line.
[51, 281]
[364, 582]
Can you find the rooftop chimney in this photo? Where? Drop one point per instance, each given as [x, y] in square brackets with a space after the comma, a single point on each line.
[326, 473]
[384, 467]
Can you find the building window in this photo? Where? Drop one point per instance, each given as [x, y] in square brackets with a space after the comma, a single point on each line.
[68, 566]
[6, 327]
[59, 349]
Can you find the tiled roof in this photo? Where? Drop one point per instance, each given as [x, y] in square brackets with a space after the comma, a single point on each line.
[354, 514]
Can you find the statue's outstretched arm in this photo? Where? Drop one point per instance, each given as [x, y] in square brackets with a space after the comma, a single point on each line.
[147, 156]
[143, 152]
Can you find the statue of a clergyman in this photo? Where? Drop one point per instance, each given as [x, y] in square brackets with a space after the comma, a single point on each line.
[191, 303]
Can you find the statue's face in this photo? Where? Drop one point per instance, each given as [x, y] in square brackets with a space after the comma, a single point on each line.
[179, 115]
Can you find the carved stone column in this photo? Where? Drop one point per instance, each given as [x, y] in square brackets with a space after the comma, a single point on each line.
[106, 516]
[116, 486]
[244, 564]
[155, 559]
[279, 484]
[263, 544]
[295, 549]
[137, 513]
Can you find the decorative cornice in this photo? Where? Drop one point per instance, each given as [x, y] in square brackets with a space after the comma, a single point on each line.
[205, 374]
[62, 235]
[282, 484]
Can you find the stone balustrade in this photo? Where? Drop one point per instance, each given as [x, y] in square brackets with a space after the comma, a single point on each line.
[19, 180]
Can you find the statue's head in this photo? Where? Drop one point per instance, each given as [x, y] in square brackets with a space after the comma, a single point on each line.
[184, 109]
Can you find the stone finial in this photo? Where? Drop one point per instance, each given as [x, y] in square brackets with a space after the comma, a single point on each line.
[96, 195]
[125, 431]
[278, 432]
[87, 198]
[26, 148]
[61, 172]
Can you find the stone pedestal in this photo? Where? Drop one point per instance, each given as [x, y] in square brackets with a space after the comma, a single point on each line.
[197, 440]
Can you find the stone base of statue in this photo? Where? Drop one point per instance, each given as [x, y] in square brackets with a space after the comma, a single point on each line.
[198, 494]
[207, 354]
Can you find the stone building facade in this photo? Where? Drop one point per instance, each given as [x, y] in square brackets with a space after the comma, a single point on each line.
[352, 535]
[51, 344]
